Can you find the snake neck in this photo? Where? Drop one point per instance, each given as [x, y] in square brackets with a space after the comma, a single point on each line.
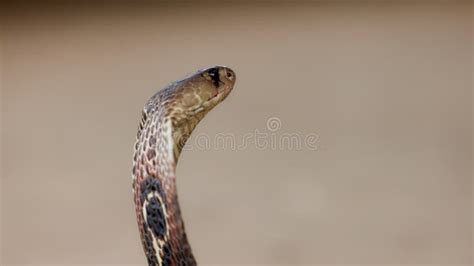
[160, 221]
[168, 119]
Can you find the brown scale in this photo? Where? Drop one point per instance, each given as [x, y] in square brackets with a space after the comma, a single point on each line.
[167, 120]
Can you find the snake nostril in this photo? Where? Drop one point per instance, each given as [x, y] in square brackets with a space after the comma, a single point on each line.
[229, 74]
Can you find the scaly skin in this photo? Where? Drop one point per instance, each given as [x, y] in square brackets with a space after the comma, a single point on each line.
[168, 119]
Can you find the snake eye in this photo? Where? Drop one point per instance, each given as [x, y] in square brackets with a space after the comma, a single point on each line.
[214, 74]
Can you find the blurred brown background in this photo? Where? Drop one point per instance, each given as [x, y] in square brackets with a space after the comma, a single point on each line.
[385, 85]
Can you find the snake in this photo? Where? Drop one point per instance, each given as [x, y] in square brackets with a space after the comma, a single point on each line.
[167, 120]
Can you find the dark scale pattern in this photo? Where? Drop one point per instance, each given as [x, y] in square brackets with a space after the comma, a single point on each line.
[156, 217]
[167, 255]
[184, 253]
[151, 154]
[152, 141]
[149, 250]
[149, 185]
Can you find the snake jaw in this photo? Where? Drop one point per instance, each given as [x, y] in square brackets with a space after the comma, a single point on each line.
[215, 95]
[194, 111]
[218, 92]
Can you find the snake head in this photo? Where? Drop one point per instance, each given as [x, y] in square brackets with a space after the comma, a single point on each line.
[203, 90]
[187, 101]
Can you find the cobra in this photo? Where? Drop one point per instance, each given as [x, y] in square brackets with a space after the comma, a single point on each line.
[167, 121]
